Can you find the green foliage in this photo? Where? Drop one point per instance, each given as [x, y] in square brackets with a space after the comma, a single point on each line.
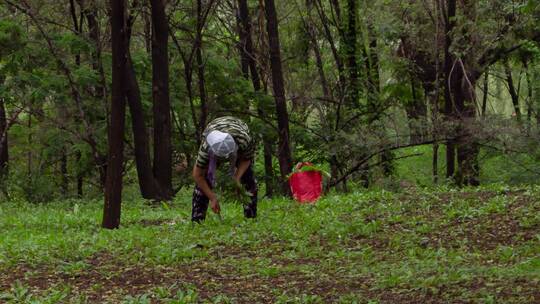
[11, 38]
[34, 60]
[231, 191]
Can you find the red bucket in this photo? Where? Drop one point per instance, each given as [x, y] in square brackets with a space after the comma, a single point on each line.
[306, 187]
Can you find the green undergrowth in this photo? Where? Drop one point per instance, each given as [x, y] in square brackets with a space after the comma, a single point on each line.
[474, 245]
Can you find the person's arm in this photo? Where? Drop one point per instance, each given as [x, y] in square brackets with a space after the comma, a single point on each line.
[243, 165]
[200, 179]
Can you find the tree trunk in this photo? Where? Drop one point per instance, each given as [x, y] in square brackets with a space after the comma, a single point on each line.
[64, 172]
[435, 163]
[373, 94]
[242, 34]
[448, 103]
[100, 91]
[312, 32]
[284, 150]
[530, 95]
[91, 14]
[328, 35]
[514, 94]
[188, 75]
[147, 183]
[373, 79]
[467, 146]
[160, 94]
[113, 186]
[200, 67]
[486, 93]
[433, 94]
[247, 55]
[80, 179]
[351, 40]
[4, 155]
[535, 102]
[78, 28]
[247, 52]
[416, 114]
[29, 155]
[147, 18]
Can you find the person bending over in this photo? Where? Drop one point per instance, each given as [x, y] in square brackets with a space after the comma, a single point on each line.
[225, 140]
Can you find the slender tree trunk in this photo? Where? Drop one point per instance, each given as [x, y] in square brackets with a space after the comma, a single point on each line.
[373, 79]
[448, 103]
[4, 150]
[514, 94]
[200, 67]
[147, 18]
[247, 55]
[434, 100]
[342, 85]
[435, 163]
[312, 32]
[352, 91]
[160, 94]
[284, 150]
[328, 35]
[78, 28]
[351, 53]
[188, 75]
[29, 155]
[535, 102]
[416, 114]
[80, 179]
[373, 96]
[100, 92]
[463, 88]
[466, 144]
[530, 95]
[243, 35]
[433, 94]
[486, 92]
[113, 187]
[147, 183]
[64, 172]
[91, 14]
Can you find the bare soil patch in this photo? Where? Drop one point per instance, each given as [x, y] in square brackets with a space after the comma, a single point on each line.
[491, 231]
[110, 280]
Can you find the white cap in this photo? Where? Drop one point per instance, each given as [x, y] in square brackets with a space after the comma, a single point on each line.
[222, 144]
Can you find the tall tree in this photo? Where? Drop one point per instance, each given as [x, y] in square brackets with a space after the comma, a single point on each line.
[449, 21]
[160, 94]
[514, 94]
[278, 86]
[148, 185]
[113, 186]
[249, 67]
[351, 53]
[4, 155]
[200, 65]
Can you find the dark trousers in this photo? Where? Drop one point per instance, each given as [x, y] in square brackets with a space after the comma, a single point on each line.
[199, 202]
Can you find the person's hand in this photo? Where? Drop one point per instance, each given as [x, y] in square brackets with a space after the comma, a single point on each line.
[238, 186]
[214, 204]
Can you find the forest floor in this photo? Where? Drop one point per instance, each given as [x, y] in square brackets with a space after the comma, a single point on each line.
[413, 246]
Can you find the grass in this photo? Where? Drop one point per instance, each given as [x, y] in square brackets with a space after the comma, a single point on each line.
[480, 246]
[494, 167]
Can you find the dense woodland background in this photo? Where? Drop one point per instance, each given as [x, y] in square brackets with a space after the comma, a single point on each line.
[96, 92]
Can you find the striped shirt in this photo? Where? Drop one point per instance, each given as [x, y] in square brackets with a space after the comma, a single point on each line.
[237, 129]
